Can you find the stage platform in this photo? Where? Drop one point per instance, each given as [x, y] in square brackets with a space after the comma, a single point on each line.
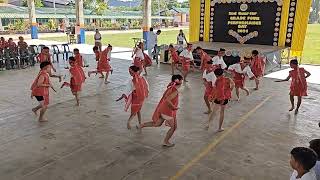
[234, 51]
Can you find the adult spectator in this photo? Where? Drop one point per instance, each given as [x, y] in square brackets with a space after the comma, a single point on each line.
[97, 40]
[181, 38]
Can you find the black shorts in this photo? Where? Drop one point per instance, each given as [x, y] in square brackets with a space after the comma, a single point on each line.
[225, 102]
[39, 98]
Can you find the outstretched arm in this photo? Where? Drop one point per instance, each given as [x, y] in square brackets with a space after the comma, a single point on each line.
[287, 79]
[308, 74]
[123, 96]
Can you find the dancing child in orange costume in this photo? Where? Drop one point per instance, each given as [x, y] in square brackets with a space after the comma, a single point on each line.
[166, 110]
[40, 90]
[258, 64]
[240, 71]
[222, 95]
[186, 60]
[103, 65]
[45, 56]
[204, 58]
[77, 78]
[298, 83]
[141, 59]
[137, 91]
[209, 79]
[78, 58]
[174, 57]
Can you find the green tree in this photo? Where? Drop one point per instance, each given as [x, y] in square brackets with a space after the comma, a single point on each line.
[37, 3]
[96, 6]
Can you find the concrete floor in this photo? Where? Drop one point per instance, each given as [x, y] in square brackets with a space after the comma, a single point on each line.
[92, 142]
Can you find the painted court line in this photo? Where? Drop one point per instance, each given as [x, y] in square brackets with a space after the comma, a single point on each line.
[216, 141]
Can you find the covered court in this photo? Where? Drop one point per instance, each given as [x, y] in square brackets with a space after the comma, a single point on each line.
[92, 142]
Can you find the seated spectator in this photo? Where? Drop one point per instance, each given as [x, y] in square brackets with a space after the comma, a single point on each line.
[302, 161]
[3, 43]
[12, 45]
[315, 145]
[22, 45]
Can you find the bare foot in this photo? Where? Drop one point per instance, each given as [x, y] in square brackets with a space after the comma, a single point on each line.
[167, 144]
[60, 78]
[220, 130]
[206, 127]
[101, 77]
[34, 111]
[207, 112]
[128, 126]
[89, 74]
[256, 89]
[292, 108]
[186, 80]
[107, 82]
[296, 111]
[111, 71]
[238, 99]
[78, 104]
[139, 129]
[43, 120]
[145, 74]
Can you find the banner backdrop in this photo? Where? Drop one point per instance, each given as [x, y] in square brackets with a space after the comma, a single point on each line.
[246, 23]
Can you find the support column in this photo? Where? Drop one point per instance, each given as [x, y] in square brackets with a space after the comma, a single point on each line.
[32, 19]
[80, 21]
[1, 27]
[146, 20]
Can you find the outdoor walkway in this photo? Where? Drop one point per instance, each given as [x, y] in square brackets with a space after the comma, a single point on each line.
[92, 143]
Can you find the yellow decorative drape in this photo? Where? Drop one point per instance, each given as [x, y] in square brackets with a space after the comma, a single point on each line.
[194, 27]
[284, 23]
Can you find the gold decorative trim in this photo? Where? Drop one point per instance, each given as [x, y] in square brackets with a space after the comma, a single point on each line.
[243, 39]
[280, 2]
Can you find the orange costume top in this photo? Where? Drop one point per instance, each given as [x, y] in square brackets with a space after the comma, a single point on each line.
[298, 83]
[77, 78]
[240, 71]
[44, 57]
[185, 64]
[164, 109]
[175, 57]
[147, 60]
[137, 94]
[204, 59]
[79, 60]
[39, 90]
[103, 61]
[258, 66]
[222, 89]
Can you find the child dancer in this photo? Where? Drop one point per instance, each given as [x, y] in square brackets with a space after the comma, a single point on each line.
[240, 71]
[167, 109]
[40, 90]
[204, 58]
[174, 57]
[257, 65]
[78, 58]
[77, 78]
[103, 65]
[298, 83]
[186, 60]
[209, 79]
[218, 60]
[222, 95]
[141, 59]
[137, 91]
[45, 56]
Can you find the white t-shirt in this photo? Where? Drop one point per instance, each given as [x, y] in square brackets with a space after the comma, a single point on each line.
[210, 77]
[317, 170]
[219, 61]
[97, 37]
[185, 53]
[130, 87]
[237, 68]
[153, 39]
[139, 54]
[180, 37]
[308, 176]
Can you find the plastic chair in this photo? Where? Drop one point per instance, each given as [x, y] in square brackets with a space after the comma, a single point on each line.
[32, 54]
[23, 55]
[40, 47]
[56, 52]
[11, 60]
[66, 51]
[2, 60]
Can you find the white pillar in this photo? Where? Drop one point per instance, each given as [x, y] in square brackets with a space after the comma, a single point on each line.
[146, 20]
[80, 21]
[32, 19]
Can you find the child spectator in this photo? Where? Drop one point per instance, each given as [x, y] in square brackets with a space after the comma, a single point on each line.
[302, 161]
[315, 145]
